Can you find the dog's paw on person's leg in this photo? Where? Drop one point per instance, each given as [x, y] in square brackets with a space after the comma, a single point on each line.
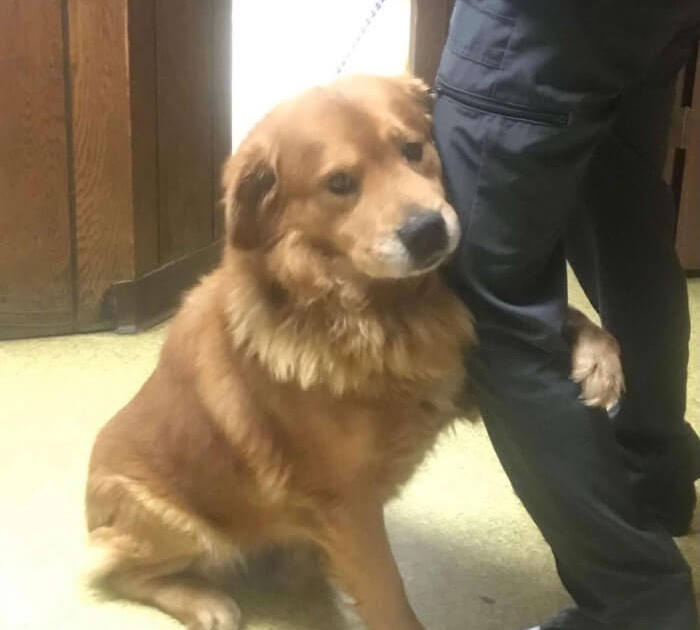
[596, 363]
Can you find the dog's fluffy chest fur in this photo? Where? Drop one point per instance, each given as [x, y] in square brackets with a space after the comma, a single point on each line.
[260, 420]
[320, 405]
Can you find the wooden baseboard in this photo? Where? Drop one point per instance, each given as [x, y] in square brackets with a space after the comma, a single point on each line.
[136, 305]
[21, 325]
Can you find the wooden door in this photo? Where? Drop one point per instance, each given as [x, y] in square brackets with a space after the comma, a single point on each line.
[431, 19]
[114, 125]
[36, 255]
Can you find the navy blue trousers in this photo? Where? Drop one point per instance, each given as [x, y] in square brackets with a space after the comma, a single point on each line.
[551, 121]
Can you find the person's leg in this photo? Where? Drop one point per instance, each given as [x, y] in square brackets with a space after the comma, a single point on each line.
[620, 245]
[526, 91]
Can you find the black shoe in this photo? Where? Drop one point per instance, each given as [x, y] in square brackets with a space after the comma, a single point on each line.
[570, 618]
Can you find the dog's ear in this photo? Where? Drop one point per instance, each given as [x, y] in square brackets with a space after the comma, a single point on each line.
[419, 91]
[250, 185]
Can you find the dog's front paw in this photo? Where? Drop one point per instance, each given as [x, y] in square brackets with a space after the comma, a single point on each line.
[597, 368]
[346, 606]
[214, 613]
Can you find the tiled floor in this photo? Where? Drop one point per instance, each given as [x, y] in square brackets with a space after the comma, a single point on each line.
[469, 554]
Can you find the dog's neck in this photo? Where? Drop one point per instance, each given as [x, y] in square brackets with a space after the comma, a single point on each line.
[307, 325]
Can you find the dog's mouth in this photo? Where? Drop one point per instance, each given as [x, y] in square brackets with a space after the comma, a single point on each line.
[429, 264]
[432, 261]
[393, 260]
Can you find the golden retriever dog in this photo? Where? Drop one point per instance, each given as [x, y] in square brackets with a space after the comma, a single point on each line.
[304, 380]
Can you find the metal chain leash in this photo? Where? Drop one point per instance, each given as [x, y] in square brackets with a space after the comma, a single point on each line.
[367, 23]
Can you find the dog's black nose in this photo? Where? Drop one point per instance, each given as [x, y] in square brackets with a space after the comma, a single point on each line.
[424, 234]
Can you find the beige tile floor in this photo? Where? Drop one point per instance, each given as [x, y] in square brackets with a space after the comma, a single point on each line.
[469, 554]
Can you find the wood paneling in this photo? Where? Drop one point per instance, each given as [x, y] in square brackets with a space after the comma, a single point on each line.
[221, 94]
[102, 153]
[688, 228]
[35, 249]
[430, 20]
[115, 119]
[185, 125]
[144, 132]
[675, 135]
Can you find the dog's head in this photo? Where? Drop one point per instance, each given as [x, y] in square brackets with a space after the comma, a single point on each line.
[349, 173]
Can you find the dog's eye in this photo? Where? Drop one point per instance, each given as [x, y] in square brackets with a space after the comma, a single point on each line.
[341, 183]
[412, 151]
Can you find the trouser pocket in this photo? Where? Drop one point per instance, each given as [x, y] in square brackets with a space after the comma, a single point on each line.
[488, 105]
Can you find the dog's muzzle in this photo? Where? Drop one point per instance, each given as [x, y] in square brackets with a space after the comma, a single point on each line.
[424, 235]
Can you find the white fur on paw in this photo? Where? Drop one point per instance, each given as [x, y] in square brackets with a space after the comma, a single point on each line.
[345, 604]
[596, 367]
[219, 614]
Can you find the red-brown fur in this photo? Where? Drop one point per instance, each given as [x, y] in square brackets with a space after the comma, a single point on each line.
[301, 383]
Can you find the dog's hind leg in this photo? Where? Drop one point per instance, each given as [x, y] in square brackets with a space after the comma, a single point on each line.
[157, 554]
[189, 598]
[169, 582]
